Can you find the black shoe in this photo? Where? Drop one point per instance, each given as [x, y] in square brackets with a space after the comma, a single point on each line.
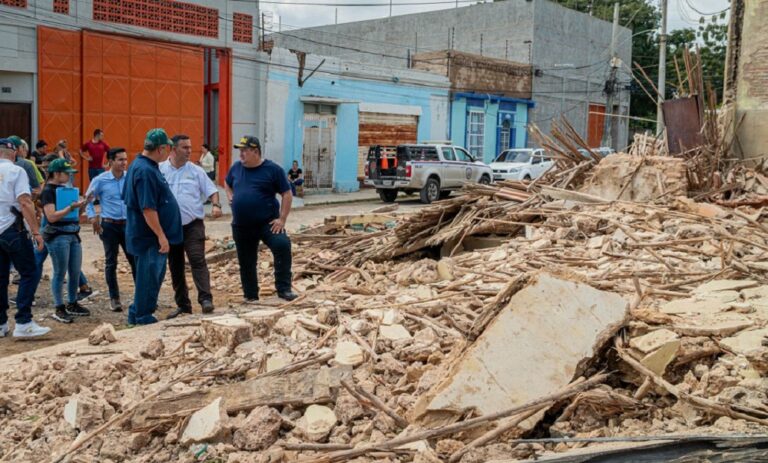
[84, 293]
[288, 295]
[207, 306]
[177, 312]
[61, 315]
[76, 310]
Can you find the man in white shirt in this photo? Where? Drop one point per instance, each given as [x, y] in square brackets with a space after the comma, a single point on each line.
[191, 187]
[15, 245]
[208, 162]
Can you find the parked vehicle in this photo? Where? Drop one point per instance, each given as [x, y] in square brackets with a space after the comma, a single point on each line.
[602, 151]
[433, 170]
[521, 164]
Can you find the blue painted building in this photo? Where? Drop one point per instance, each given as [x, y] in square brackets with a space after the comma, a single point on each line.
[328, 122]
[488, 124]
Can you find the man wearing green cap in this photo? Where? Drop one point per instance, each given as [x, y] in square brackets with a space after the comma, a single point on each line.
[153, 224]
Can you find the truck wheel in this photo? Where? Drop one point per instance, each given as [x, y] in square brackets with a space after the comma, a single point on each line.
[431, 191]
[485, 180]
[388, 196]
[527, 178]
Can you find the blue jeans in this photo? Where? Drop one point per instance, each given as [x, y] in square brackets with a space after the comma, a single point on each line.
[67, 257]
[40, 257]
[247, 243]
[16, 248]
[150, 272]
[294, 184]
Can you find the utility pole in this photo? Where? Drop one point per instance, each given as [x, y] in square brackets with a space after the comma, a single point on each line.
[610, 84]
[337, 16]
[662, 68]
[390, 8]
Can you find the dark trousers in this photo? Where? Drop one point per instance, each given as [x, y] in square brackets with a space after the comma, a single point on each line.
[113, 238]
[247, 242]
[211, 175]
[94, 171]
[16, 248]
[194, 247]
[150, 272]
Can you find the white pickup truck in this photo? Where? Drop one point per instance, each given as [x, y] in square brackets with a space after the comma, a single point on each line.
[434, 170]
[521, 164]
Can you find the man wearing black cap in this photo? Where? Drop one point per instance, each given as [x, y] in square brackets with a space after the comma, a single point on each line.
[257, 216]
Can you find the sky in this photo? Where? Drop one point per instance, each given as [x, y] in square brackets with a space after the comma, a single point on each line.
[681, 12]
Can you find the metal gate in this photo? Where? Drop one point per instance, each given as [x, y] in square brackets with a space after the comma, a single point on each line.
[319, 150]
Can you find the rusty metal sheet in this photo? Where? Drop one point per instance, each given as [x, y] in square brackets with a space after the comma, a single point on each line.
[683, 121]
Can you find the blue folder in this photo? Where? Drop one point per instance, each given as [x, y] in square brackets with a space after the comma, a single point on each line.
[66, 196]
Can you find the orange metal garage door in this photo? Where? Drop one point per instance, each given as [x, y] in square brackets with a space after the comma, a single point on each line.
[122, 85]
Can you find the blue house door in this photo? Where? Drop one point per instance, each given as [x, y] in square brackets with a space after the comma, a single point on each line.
[505, 137]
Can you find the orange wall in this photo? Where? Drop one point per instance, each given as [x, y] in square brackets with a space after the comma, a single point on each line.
[122, 85]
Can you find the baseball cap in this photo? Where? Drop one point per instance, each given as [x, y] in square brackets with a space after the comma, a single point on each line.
[156, 138]
[16, 140]
[61, 165]
[7, 144]
[248, 141]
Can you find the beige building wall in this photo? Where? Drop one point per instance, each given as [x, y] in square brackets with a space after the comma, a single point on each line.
[752, 81]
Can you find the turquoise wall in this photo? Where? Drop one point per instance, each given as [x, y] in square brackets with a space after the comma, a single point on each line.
[460, 107]
[347, 116]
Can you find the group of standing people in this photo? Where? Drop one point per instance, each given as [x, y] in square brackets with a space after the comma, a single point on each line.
[152, 210]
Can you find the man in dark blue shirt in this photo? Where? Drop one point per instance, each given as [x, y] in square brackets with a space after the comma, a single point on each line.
[257, 216]
[153, 224]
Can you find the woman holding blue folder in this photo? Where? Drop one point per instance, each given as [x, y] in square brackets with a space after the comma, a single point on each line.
[61, 206]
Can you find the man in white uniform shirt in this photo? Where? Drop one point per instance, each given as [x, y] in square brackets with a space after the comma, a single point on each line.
[15, 244]
[192, 188]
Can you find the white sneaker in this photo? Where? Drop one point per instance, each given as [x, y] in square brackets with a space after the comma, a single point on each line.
[29, 330]
[4, 330]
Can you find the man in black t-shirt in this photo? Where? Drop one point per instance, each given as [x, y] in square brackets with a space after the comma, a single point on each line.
[251, 186]
[40, 152]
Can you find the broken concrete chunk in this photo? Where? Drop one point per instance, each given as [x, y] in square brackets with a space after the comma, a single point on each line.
[224, 331]
[394, 332]
[658, 360]
[84, 413]
[724, 324]
[209, 424]
[278, 360]
[153, 350]
[348, 353]
[724, 285]
[445, 270]
[552, 326]
[259, 431]
[104, 333]
[653, 340]
[746, 342]
[691, 306]
[263, 320]
[317, 422]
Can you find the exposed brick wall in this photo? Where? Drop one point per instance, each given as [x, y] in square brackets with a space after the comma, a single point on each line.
[16, 3]
[161, 15]
[242, 28]
[61, 6]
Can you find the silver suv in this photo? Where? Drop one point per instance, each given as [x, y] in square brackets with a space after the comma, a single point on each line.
[434, 170]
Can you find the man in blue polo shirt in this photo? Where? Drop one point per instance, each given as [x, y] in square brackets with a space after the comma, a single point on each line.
[109, 222]
[251, 187]
[153, 224]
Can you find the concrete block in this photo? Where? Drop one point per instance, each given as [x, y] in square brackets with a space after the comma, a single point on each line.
[535, 346]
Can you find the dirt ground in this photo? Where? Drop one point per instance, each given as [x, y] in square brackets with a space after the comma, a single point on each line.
[98, 303]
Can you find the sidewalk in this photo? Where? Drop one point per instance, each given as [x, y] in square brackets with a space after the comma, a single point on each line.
[310, 200]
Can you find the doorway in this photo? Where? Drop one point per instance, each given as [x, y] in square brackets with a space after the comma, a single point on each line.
[17, 120]
[319, 152]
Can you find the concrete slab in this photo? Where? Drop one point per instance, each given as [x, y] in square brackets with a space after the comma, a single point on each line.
[534, 347]
[724, 285]
[653, 340]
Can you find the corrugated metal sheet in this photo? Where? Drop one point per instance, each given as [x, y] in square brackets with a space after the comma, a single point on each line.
[127, 86]
[383, 129]
[683, 122]
[595, 125]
